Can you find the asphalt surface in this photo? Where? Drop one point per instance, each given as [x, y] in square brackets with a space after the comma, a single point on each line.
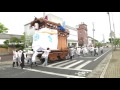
[79, 67]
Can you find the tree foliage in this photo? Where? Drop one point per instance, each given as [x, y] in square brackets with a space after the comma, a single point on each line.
[6, 42]
[14, 40]
[98, 44]
[3, 29]
[115, 41]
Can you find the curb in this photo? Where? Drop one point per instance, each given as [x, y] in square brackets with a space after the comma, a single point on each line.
[6, 63]
[105, 69]
[98, 71]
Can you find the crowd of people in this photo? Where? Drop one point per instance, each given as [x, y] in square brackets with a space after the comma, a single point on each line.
[83, 51]
[21, 56]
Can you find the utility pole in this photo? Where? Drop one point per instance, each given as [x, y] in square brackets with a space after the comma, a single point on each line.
[103, 39]
[114, 36]
[93, 35]
[110, 30]
[114, 33]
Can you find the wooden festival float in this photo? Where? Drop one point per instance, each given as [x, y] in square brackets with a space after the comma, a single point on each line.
[62, 49]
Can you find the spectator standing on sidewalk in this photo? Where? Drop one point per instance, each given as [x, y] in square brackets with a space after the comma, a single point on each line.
[15, 58]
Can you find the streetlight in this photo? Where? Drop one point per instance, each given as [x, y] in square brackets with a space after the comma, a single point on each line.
[110, 29]
[93, 35]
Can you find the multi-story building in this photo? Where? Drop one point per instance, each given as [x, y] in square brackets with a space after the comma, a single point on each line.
[82, 35]
[72, 40]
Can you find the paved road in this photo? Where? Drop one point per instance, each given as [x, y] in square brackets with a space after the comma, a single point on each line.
[79, 67]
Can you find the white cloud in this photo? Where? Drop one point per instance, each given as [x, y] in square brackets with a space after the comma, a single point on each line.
[15, 21]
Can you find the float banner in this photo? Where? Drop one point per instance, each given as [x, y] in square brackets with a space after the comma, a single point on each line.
[44, 38]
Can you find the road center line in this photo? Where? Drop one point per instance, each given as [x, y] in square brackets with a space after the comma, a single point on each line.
[101, 55]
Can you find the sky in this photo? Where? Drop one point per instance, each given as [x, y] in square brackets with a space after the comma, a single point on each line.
[15, 21]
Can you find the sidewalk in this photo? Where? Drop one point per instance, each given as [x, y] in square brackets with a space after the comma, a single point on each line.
[113, 69]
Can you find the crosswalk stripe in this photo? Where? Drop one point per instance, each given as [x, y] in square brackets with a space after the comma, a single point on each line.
[73, 64]
[66, 63]
[58, 63]
[82, 65]
[71, 69]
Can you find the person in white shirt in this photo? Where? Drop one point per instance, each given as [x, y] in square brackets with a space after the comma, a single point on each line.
[71, 52]
[15, 58]
[91, 50]
[45, 56]
[78, 51]
[85, 51]
[29, 54]
[19, 56]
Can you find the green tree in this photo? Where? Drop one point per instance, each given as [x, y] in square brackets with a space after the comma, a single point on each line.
[111, 40]
[6, 42]
[14, 40]
[22, 41]
[98, 44]
[3, 29]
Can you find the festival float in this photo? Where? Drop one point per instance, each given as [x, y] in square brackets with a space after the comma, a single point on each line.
[51, 35]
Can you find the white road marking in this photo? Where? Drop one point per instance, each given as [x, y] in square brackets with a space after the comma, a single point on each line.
[82, 65]
[88, 57]
[52, 73]
[70, 69]
[68, 66]
[58, 63]
[101, 55]
[66, 63]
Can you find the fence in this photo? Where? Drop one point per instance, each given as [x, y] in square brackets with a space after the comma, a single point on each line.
[5, 51]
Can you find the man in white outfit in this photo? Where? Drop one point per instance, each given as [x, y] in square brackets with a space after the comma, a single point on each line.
[71, 51]
[34, 58]
[91, 50]
[85, 51]
[78, 51]
[45, 56]
[15, 58]
[29, 56]
[19, 56]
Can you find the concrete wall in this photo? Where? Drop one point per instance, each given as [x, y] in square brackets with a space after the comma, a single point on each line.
[4, 51]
